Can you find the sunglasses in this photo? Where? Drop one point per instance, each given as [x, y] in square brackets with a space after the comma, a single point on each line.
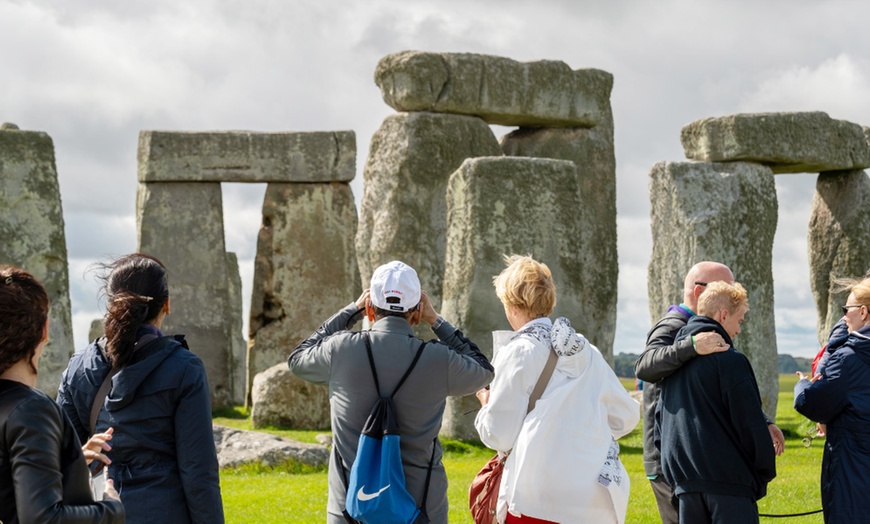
[846, 308]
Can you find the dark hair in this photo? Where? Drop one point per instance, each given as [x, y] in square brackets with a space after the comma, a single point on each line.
[136, 290]
[24, 306]
[381, 313]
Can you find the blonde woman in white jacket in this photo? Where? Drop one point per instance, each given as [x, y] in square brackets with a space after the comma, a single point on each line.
[563, 465]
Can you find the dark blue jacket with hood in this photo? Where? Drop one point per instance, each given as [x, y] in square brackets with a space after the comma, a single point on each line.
[163, 456]
[841, 399]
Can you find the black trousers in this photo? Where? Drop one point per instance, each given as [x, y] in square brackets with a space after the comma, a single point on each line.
[700, 508]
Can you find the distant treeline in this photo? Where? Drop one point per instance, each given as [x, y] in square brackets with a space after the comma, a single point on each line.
[623, 364]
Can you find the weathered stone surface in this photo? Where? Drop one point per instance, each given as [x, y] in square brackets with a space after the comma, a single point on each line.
[244, 156]
[786, 142]
[305, 268]
[31, 226]
[182, 225]
[404, 211]
[239, 352]
[502, 91]
[724, 212]
[281, 399]
[838, 241]
[96, 330]
[236, 447]
[592, 152]
[500, 206]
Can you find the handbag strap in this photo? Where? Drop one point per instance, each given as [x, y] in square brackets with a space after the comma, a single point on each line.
[543, 380]
[103, 392]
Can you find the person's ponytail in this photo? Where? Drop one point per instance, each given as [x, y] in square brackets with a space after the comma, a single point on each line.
[136, 292]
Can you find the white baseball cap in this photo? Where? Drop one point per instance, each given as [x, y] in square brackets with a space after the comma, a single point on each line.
[395, 287]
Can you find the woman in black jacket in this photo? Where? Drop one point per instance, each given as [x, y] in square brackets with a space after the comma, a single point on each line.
[163, 458]
[43, 475]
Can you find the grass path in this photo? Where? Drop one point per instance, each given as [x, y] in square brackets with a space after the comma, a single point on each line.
[253, 495]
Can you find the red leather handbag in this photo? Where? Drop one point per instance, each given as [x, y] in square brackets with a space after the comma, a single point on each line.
[483, 494]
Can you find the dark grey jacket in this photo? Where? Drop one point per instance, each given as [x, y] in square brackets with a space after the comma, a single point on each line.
[337, 357]
[661, 358]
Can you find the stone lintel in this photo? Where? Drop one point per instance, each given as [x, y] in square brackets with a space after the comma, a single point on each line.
[799, 142]
[545, 93]
[246, 156]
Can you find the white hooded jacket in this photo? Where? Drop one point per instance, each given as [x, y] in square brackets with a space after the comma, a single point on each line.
[556, 470]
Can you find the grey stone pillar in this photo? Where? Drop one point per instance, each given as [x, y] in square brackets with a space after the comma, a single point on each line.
[725, 212]
[305, 268]
[31, 228]
[182, 224]
[838, 241]
[403, 213]
[239, 354]
[592, 152]
[500, 206]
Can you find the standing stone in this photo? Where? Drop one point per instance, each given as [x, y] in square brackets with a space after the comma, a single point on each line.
[725, 212]
[546, 93]
[305, 268]
[182, 224]
[592, 152]
[96, 330]
[501, 206]
[404, 211]
[31, 228]
[838, 241]
[239, 352]
[245, 156]
[787, 142]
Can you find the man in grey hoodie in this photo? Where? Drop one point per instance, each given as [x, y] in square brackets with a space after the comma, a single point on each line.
[336, 356]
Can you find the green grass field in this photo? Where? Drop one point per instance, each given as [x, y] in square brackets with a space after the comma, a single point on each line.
[255, 495]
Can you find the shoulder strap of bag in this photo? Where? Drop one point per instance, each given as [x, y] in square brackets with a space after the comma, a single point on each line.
[543, 380]
[104, 387]
[375, 373]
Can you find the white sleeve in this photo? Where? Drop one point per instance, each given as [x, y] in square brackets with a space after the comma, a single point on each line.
[517, 368]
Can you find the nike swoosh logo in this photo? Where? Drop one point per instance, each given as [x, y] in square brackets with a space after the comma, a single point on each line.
[363, 496]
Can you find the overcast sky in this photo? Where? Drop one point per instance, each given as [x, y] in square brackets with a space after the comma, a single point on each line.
[93, 73]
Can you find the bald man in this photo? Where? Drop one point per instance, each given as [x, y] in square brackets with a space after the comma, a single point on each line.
[662, 357]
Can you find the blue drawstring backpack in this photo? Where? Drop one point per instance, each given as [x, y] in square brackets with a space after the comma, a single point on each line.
[376, 492]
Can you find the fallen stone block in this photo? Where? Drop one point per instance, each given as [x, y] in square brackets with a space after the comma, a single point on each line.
[244, 156]
[236, 447]
[544, 93]
[281, 399]
[808, 142]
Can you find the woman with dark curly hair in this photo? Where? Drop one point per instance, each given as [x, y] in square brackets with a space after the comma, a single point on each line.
[153, 392]
[43, 473]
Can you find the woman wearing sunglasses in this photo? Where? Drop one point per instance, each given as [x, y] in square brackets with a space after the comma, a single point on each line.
[840, 397]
